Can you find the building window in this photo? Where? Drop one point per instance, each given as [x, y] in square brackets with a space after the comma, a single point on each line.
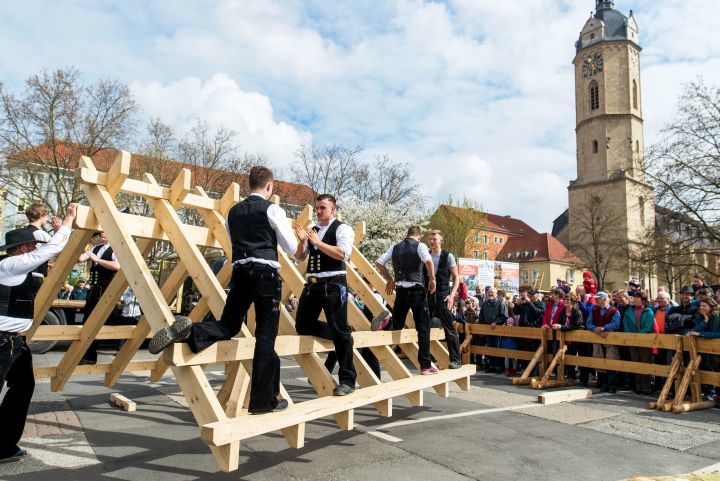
[476, 254]
[570, 276]
[476, 238]
[595, 147]
[524, 274]
[594, 95]
[637, 147]
[485, 256]
[641, 203]
[634, 95]
[485, 239]
[535, 276]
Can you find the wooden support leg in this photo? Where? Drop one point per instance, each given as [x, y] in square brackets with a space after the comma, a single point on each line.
[525, 377]
[669, 381]
[545, 380]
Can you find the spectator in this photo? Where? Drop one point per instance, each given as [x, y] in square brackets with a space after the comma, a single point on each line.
[662, 357]
[640, 319]
[633, 286]
[529, 309]
[707, 326]
[625, 380]
[80, 292]
[681, 319]
[605, 318]
[589, 283]
[510, 343]
[698, 282]
[570, 319]
[553, 309]
[493, 312]
[65, 292]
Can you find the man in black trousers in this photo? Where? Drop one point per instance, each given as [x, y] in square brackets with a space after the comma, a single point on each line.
[441, 301]
[256, 227]
[328, 245]
[17, 307]
[408, 258]
[102, 271]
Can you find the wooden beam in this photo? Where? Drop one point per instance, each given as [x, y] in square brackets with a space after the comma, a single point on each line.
[229, 199]
[566, 395]
[243, 427]
[118, 172]
[72, 333]
[123, 402]
[180, 188]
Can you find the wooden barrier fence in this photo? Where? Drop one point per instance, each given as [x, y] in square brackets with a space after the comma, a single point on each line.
[682, 373]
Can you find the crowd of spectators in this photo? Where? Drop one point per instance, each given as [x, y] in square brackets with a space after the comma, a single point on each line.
[694, 313]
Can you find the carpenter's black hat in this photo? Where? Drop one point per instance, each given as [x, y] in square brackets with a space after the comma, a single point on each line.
[19, 237]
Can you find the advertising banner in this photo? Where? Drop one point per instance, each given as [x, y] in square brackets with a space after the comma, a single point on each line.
[480, 273]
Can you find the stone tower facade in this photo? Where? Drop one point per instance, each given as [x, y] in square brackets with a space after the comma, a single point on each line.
[609, 131]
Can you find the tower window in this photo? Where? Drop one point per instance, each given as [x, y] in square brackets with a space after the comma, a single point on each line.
[637, 147]
[594, 95]
[634, 95]
[595, 147]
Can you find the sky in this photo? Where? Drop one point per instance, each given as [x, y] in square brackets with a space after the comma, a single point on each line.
[477, 95]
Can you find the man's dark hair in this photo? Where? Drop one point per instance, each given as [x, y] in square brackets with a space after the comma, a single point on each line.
[259, 177]
[560, 293]
[414, 231]
[329, 197]
[699, 276]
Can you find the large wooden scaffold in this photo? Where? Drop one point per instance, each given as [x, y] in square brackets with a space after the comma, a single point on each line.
[222, 416]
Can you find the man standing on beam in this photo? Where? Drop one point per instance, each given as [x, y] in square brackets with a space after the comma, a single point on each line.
[329, 245]
[256, 227]
[441, 301]
[408, 258]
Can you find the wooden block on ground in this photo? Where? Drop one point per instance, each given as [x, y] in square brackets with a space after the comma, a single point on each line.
[123, 402]
[565, 395]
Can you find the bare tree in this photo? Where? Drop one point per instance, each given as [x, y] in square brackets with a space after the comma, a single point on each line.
[391, 182]
[595, 235]
[684, 168]
[332, 169]
[459, 221]
[44, 130]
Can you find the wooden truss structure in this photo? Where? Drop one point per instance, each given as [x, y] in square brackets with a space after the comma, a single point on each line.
[222, 416]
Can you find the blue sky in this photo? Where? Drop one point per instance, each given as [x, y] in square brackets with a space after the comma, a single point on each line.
[477, 94]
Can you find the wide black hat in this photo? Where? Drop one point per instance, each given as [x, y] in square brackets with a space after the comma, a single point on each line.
[19, 237]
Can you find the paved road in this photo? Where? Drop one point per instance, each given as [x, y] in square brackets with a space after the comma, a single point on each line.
[495, 431]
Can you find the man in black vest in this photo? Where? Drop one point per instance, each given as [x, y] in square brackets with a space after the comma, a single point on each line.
[441, 301]
[408, 257]
[104, 267]
[256, 227]
[329, 244]
[17, 307]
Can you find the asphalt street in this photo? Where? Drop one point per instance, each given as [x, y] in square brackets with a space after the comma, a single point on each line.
[495, 431]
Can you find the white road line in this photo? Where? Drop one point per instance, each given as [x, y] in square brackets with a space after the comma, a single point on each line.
[384, 436]
[708, 469]
[476, 412]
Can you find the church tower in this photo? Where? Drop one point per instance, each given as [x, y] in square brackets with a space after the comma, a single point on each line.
[609, 132]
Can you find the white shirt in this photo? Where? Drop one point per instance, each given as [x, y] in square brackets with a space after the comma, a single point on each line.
[422, 252]
[14, 269]
[131, 307]
[41, 235]
[345, 237]
[102, 250]
[283, 232]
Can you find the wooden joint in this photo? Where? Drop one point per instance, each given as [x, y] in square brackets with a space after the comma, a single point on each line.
[180, 188]
[229, 199]
[118, 172]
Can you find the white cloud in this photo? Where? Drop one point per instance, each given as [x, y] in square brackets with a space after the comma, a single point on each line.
[478, 95]
[220, 102]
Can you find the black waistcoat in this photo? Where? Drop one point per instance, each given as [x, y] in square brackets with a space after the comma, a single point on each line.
[251, 234]
[100, 275]
[318, 260]
[442, 274]
[406, 261]
[18, 301]
[43, 269]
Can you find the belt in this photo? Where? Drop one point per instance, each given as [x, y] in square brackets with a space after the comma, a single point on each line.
[254, 265]
[413, 288]
[324, 280]
[10, 334]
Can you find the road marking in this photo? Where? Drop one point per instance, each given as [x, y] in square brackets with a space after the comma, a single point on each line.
[384, 436]
[476, 412]
[708, 469]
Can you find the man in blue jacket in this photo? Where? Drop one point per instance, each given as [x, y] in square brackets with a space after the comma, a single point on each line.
[604, 318]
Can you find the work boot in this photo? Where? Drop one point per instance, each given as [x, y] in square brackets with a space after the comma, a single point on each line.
[179, 331]
[281, 405]
[454, 365]
[343, 390]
